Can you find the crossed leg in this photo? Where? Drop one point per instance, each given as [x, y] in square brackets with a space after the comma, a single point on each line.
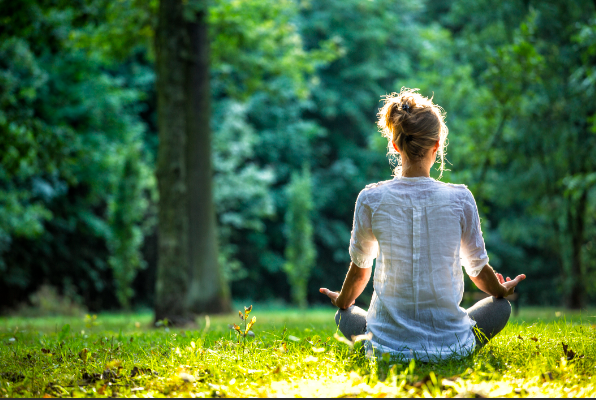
[351, 321]
[491, 316]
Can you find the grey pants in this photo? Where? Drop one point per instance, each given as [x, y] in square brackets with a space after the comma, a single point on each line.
[491, 316]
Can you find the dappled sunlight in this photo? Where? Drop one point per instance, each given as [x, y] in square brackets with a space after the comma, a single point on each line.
[292, 353]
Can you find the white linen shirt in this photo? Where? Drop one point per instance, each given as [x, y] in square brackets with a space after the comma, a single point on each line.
[417, 228]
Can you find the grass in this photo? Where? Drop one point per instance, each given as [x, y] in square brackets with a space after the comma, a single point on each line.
[293, 353]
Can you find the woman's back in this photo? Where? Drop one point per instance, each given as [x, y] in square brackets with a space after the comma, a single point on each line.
[417, 229]
[419, 226]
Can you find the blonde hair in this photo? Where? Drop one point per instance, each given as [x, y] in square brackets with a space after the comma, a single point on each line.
[414, 123]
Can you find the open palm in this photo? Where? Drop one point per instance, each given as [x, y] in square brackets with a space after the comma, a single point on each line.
[510, 284]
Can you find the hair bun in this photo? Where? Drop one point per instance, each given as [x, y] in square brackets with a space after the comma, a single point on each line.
[414, 124]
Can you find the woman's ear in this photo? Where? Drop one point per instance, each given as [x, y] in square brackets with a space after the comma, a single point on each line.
[395, 146]
[436, 146]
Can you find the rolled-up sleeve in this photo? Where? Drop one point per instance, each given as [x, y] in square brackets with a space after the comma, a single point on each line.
[472, 244]
[364, 247]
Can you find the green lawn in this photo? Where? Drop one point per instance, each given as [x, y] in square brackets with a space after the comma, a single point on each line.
[293, 353]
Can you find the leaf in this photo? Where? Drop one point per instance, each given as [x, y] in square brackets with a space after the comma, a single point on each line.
[419, 384]
[534, 339]
[547, 376]
[293, 338]
[342, 339]
[237, 328]
[318, 349]
[139, 371]
[186, 377]
[247, 310]
[283, 348]
[570, 354]
[520, 337]
[114, 364]
[241, 316]
[250, 333]
[83, 354]
[250, 324]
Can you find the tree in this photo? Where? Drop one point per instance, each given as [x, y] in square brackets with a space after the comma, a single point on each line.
[189, 279]
[68, 122]
[540, 84]
[300, 250]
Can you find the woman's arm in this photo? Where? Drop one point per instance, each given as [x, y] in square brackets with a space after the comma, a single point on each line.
[493, 283]
[354, 284]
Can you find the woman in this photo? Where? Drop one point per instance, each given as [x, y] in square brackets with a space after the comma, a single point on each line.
[417, 228]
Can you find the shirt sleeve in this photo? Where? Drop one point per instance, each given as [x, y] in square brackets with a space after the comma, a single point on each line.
[364, 247]
[472, 244]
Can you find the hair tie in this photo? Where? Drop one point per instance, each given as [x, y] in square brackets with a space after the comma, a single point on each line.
[406, 107]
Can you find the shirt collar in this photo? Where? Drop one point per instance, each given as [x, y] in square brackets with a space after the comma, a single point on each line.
[414, 178]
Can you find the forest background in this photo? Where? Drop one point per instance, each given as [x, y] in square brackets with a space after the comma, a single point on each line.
[295, 89]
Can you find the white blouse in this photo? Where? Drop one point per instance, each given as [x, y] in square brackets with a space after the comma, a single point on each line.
[417, 228]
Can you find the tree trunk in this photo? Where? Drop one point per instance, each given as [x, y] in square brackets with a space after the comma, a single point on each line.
[189, 280]
[208, 291]
[577, 296]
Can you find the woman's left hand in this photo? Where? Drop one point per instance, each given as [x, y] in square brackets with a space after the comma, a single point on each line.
[335, 297]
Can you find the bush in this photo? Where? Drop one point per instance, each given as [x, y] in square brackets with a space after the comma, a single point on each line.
[47, 301]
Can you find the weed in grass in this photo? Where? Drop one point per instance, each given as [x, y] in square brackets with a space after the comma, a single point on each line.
[292, 353]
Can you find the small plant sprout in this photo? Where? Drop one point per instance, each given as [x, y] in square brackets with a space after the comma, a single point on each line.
[245, 330]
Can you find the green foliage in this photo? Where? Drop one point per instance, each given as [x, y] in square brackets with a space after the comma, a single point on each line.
[300, 251]
[293, 83]
[242, 187]
[126, 217]
[541, 141]
[68, 123]
[292, 354]
[254, 42]
[27, 143]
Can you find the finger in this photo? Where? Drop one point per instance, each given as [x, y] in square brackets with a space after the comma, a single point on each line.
[500, 278]
[332, 295]
[513, 283]
[519, 278]
[508, 279]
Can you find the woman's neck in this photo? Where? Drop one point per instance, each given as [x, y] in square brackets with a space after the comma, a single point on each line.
[414, 170]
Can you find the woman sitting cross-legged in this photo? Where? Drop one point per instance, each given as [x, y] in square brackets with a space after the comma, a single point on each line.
[417, 228]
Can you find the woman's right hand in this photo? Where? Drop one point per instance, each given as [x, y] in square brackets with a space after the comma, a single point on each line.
[509, 284]
[335, 298]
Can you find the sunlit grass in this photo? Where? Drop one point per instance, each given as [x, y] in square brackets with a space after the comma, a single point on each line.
[293, 353]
